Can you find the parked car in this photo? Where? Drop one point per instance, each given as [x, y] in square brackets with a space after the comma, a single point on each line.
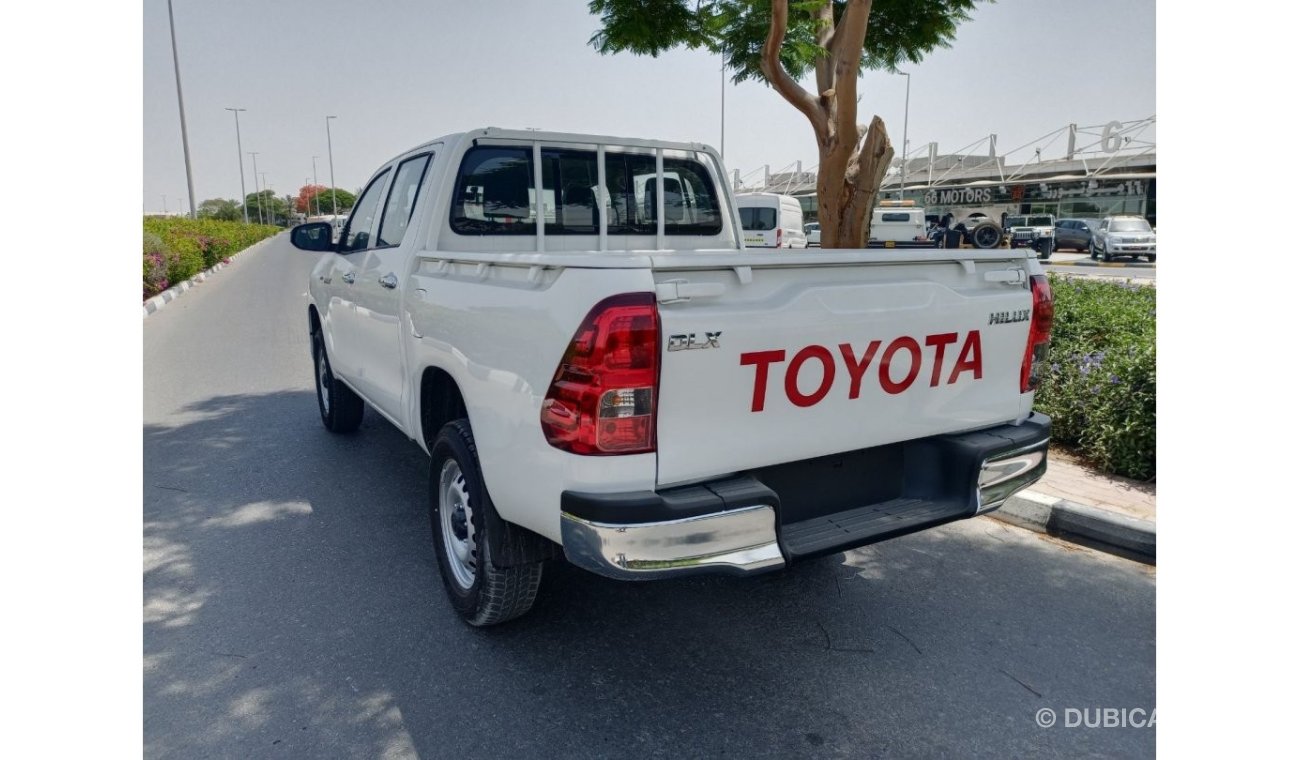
[771, 220]
[1075, 234]
[1124, 236]
[813, 231]
[1037, 231]
[633, 389]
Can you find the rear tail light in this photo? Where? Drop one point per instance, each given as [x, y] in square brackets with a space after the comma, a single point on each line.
[602, 399]
[778, 237]
[1040, 332]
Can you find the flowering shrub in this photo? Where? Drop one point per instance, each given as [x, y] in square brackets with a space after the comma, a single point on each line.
[184, 247]
[156, 261]
[1100, 385]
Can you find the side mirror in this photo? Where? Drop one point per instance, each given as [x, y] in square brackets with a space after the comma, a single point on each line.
[315, 236]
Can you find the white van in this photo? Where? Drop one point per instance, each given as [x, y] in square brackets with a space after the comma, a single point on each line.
[771, 221]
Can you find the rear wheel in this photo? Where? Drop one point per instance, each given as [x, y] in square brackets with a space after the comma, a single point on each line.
[1151, 257]
[481, 592]
[341, 410]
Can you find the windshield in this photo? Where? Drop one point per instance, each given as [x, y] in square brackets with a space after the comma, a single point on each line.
[1040, 221]
[758, 218]
[1015, 221]
[1130, 225]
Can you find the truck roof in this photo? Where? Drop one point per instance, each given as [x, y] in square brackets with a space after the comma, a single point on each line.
[530, 135]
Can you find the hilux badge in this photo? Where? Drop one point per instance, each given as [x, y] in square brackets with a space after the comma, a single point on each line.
[690, 341]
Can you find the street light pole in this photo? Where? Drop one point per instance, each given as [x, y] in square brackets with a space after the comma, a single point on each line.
[907, 107]
[722, 128]
[316, 196]
[239, 143]
[329, 141]
[180, 102]
[256, 194]
[315, 182]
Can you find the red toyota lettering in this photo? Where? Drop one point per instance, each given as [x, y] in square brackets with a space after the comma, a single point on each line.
[760, 360]
[792, 375]
[914, 349]
[940, 342]
[970, 359]
[857, 367]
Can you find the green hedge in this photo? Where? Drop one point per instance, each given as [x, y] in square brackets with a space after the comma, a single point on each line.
[177, 248]
[1100, 385]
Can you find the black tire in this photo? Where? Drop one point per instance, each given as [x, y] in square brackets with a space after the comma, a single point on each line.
[340, 408]
[986, 236]
[492, 595]
[1151, 257]
[1105, 252]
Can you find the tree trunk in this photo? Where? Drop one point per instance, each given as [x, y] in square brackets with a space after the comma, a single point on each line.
[852, 158]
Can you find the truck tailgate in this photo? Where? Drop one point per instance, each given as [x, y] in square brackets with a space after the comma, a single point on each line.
[774, 361]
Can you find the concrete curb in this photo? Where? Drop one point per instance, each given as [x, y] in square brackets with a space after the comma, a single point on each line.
[1088, 263]
[1097, 528]
[171, 294]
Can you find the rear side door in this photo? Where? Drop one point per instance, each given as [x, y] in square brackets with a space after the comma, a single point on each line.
[380, 284]
[809, 360]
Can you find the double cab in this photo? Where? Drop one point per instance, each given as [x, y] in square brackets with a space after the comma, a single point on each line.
[572, 327]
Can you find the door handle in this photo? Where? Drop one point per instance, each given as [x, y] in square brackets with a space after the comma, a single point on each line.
[349, 278]
[388, 281]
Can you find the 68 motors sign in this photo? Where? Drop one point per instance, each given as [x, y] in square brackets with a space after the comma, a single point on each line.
[957, 196]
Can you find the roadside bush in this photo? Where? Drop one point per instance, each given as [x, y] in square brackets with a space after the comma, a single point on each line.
[1100, 386]
[157, 259]
[197, 244]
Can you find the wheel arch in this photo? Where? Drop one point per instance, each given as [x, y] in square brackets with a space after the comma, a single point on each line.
[441, 401]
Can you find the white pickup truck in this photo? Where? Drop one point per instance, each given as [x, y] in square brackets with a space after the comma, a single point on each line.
[636, 391]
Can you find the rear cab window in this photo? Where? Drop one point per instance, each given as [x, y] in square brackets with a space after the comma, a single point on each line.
[495, 194]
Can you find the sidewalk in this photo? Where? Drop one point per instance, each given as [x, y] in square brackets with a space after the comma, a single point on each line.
[1076, 503]
[1068, 478]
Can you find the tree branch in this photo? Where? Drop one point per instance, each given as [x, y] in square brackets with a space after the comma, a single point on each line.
[846, 54]
[781, 80]
[824, 17]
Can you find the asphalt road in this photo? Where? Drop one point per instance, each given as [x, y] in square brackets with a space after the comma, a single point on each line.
[292, 606]
[1069, 262]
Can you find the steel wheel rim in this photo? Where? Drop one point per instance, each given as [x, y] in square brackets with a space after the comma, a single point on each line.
[322, 379]
[456, 515]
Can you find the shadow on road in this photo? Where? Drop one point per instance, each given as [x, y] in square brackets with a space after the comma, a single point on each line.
[293, 606]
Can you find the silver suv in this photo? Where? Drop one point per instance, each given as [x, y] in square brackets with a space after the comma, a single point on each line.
[1123, 236]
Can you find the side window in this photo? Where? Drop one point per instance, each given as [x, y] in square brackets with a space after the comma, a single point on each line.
[356, 236]
[401, 200]
[494, 193]
[690, 202]
[569, 183]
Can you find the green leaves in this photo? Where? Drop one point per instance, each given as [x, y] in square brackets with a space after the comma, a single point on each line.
[898, 31]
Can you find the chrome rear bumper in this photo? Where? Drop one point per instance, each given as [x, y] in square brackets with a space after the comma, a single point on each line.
[740, 542]
[751, 523]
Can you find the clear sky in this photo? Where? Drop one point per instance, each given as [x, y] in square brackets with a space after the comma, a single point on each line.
[399, 72]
